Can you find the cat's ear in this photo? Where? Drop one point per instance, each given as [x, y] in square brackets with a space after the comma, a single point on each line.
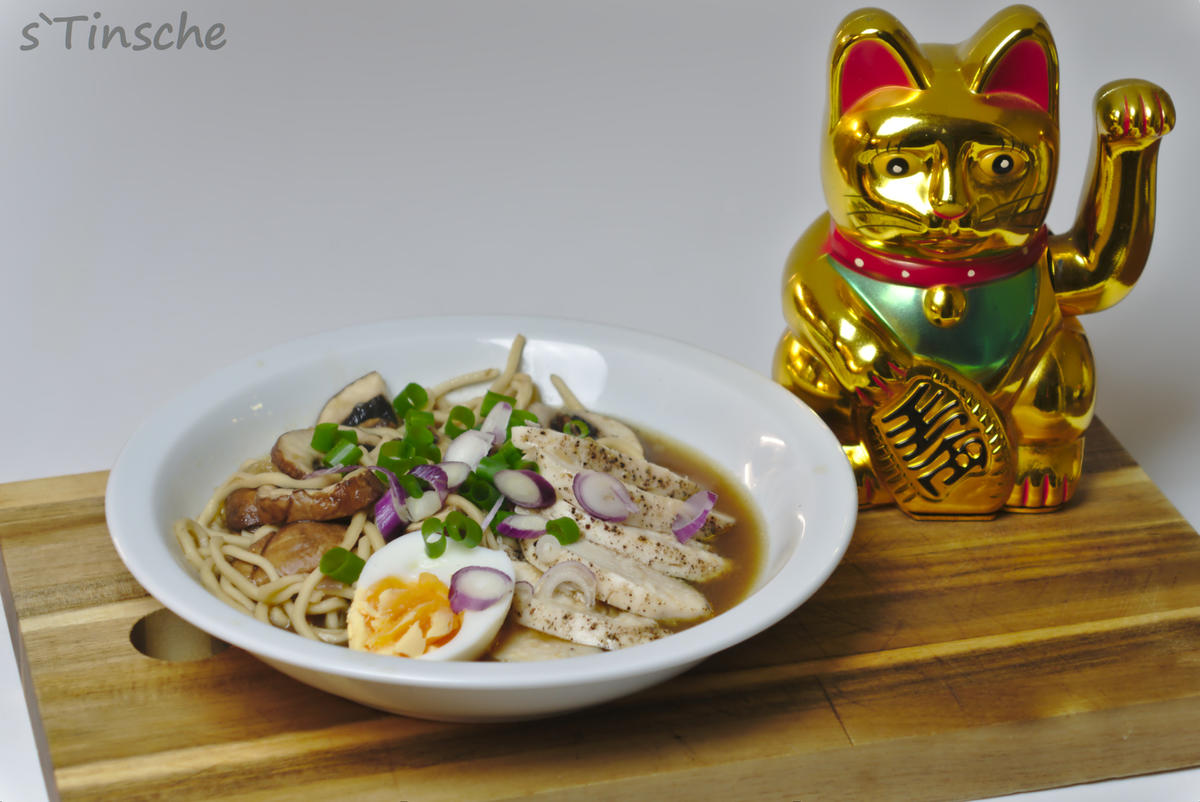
[1013, 57]
[871, 51]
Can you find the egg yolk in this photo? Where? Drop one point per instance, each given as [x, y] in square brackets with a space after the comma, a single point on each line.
[406, 618]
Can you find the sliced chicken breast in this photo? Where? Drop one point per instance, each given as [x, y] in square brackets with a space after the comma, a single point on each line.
[588, 453]
[519, 644]
[566, 620]
[653, 511]
[692, 561]
[623, 582]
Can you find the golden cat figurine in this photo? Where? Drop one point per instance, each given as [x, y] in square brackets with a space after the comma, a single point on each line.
[931, 316]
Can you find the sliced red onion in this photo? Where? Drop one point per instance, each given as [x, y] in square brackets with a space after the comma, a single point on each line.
[435, 476]
[421, 507]
[525, 487]
[602, 496]
[478, 587]
[456, 473]
[692, 515]
[568, 572]
[470, 447]
[487, 519]
[390, 510]
[522, 526]
[496, 422]
[390, 513]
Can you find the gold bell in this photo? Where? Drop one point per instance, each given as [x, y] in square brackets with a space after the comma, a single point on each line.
[944, 305]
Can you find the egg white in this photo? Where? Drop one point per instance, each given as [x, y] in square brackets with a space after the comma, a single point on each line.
[405, 558]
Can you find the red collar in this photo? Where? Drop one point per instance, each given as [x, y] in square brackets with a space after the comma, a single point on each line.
[932, 272]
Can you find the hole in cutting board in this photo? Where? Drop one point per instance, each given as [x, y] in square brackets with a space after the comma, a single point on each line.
[165, 636]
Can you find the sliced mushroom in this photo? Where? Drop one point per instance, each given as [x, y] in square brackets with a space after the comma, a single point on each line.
[363, 402]
[294, 455]
[241, 509]
[294, 548]
[278, 505]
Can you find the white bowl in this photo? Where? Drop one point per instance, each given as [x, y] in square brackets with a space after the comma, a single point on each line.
[790, 463]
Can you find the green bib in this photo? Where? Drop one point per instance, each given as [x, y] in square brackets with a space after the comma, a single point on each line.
[992, 329]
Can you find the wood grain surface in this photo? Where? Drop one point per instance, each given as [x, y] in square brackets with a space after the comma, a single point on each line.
[941, 661]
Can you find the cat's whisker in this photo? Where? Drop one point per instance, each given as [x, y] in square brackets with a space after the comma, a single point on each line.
[1010, 210]
[880, 213]
[1024, 217]
[1017, 201]
[884, 228]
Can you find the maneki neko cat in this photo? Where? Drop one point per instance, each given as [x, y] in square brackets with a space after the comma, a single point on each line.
[932, 318]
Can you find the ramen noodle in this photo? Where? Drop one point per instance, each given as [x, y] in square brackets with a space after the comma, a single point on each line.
[470, 520]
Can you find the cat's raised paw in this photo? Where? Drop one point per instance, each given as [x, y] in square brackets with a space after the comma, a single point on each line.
[1134, 111]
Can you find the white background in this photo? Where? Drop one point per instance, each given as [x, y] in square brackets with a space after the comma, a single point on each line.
[646, 164]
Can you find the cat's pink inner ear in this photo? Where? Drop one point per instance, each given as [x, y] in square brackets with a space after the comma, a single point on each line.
[1023, 71]
[867, 66]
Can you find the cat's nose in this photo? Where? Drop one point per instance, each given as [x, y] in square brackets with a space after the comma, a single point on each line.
[949, 211]
[946, 194]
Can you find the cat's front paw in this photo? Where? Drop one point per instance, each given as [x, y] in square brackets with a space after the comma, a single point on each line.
[881, 384]
[1134, 112]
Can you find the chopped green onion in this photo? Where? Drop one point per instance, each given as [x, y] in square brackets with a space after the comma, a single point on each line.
[397, 456]
[490, 399]
[342, 565]
[489, 465]
[565, 529]
[392, 449]
[479, 491]
[324, 436]
[435, 540]
[463, 528]
[520, 417]
[510, 454]
[413, 396]
[344, 452]
[418, 418]
[460, 419]
[412, 488]
[577, 427]
[507, 456]
[416, 428]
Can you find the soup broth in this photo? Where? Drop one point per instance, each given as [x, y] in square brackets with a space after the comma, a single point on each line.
[743, 544]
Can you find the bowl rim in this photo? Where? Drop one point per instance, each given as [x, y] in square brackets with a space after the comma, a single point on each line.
[776, 598]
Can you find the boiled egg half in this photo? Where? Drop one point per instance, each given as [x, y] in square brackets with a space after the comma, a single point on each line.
[409, 604]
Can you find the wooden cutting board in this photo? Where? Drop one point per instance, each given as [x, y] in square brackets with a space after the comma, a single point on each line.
[941, 661]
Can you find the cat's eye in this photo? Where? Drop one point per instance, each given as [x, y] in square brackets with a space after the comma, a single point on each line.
[895, 165]
[1001, 164]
